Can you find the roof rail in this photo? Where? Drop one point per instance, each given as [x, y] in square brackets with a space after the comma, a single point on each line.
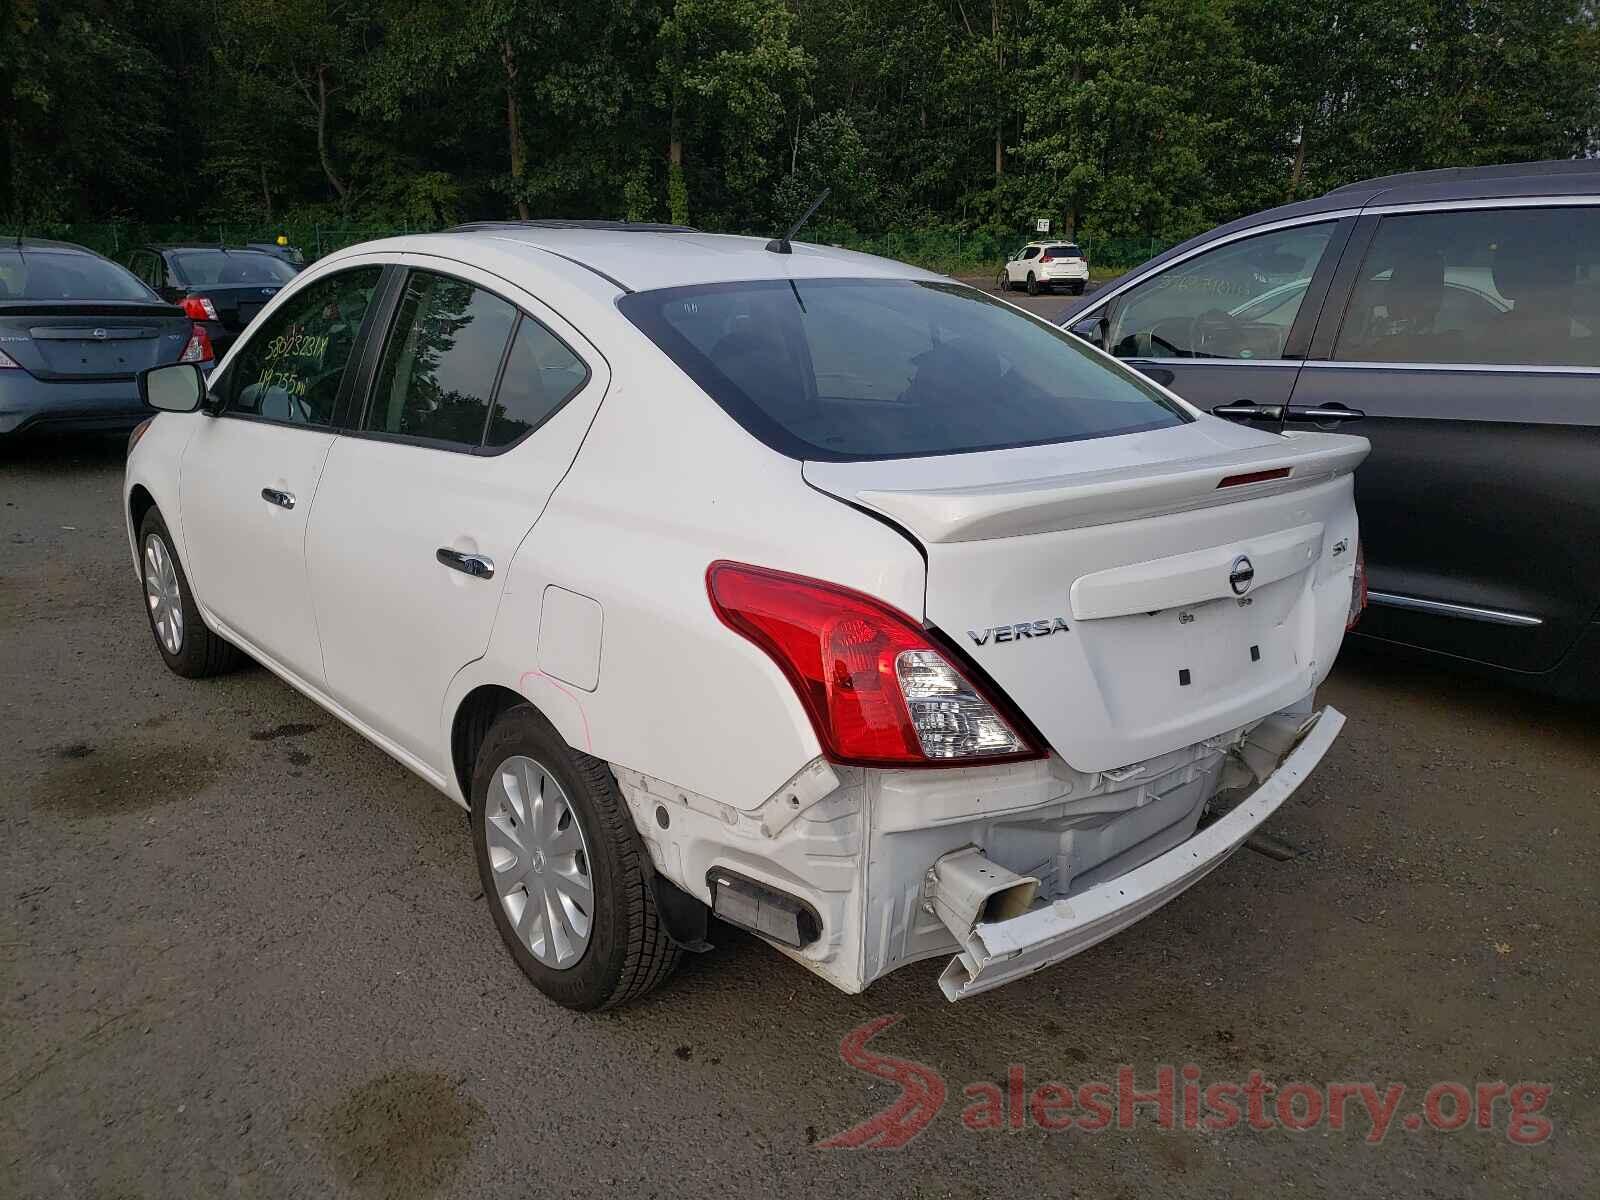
[1554, 166]
[562, 223]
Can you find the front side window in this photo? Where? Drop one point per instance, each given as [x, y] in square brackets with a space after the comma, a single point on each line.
[1235, 302]
[441, 362]
[1513, 286]
[292, 366]
[842, 369]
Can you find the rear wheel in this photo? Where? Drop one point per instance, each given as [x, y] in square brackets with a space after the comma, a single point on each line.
[1004, 282]
[186, 645]
[1033, 284]
[562, 870]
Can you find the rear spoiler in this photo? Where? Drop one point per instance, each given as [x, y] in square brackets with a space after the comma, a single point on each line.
[1085, 498]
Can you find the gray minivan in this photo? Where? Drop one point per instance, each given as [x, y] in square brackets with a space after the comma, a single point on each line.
[1453, 318]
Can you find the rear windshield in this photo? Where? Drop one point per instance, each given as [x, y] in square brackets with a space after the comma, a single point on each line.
[843, 369]
[54, 275]
[1065, 251]
[222, 267]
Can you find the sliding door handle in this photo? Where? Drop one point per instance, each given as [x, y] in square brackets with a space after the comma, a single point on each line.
[479, 566]
[281, 499]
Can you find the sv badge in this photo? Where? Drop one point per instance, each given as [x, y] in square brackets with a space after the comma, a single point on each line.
[1024, 629]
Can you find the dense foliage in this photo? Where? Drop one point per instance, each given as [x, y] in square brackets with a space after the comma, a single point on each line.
[1115, 117]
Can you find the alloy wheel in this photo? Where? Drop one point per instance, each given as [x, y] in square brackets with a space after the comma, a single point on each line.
[163, 594]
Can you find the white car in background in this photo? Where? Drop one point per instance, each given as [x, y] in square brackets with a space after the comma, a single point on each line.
[800, 586]
[1045, 266]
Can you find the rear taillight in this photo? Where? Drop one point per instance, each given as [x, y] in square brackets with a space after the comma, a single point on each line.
[200, 308]
[199, 348]
[1044, 258]
[877, 690]
[1358, 589]
[7, 363]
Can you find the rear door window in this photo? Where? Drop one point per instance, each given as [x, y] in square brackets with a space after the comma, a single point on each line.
[845, 369]
[443, 357]
[1513, 286]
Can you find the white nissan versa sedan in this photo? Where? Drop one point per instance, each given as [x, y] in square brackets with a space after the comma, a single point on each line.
[806, 588]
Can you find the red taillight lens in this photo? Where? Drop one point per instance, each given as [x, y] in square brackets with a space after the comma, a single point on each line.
[199, 348]
[1044, 258]
[878, 692]
[1358, 589]
[200, 308]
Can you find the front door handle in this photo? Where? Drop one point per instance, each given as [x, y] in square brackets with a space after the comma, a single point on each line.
[479, 566]
[281, 499]
[1246, 410]
[1321, 415]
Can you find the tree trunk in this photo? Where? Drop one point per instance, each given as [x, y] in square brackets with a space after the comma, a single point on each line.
[514, 126]
[266, 191]
[677, 186]
[322, 135]
[1000, 90]
[1299, 163]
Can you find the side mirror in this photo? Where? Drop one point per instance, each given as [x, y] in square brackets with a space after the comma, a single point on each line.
[1091, 330]
[176, 387]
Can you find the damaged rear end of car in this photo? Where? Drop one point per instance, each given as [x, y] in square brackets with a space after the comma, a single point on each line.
[1111, 680]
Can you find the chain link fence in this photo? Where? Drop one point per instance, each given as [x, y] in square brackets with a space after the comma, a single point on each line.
[945, 249]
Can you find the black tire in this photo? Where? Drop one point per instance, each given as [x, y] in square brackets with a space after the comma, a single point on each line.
[1033, 284]
[200, 652]
[628, 952]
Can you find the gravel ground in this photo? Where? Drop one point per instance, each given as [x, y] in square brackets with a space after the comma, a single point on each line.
[245, 956]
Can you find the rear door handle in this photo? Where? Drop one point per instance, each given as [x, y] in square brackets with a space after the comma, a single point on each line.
[1321, 415]
[281, 499]
[479, 566]
[1245, 410]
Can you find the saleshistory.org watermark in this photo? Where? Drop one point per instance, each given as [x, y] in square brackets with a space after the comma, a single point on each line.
[1180, 1098]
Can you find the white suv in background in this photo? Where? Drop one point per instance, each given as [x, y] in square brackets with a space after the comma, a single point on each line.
[806, 588]
[1045, 266]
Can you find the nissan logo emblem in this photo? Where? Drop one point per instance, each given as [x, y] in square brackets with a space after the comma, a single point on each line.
[100, 333]
[1241, 575]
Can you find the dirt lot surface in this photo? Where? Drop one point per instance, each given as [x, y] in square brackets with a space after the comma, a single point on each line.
[244, 955]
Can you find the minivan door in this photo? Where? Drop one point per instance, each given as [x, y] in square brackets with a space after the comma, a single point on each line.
[1226, 327]
[474, 412]
[1470, 341]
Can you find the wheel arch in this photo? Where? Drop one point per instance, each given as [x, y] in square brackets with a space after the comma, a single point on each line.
[476, 712]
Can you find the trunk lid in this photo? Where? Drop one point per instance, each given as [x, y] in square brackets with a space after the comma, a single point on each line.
[237, 304]
[100, 339]
[1135, 594]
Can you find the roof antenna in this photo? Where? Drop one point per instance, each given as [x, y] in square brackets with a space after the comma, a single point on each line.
[781, 245]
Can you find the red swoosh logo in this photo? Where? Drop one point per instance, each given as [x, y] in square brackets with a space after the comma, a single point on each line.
[921, 1093]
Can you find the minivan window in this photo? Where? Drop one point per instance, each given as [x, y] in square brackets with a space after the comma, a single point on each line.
[840, 369]
[43, 274]
[440, 365]
[1236, 301]
[292, 366]
[1513, 286]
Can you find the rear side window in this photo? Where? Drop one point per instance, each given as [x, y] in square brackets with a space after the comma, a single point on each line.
[441, 362]
[57, 275]
[541, 375]
[844, 369]
[293, 365]
[1513, 286]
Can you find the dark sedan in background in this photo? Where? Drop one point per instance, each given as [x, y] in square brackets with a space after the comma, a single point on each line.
[1453, 318]
[221, 288]
[75, 331]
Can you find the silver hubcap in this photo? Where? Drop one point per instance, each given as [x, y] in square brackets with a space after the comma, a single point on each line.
[161, 592]
[540, 861]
